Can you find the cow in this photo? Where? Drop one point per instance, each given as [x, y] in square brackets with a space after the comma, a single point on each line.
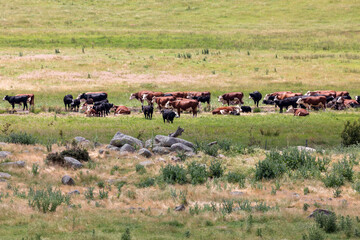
[148, 111]
[31, 98]
[256, 97]
[23, 99]
[75, 105]
[100, 102]
[357, 98]
[90, 112]
[342, 93]
[149, 96]
[203, 99]
[169, 115]
[121, 110]
[176, 94]
[139, 95]
[268, 102]
[245, 109]
[96, 96]
[68, 99]
[233, 98]
[190, 95]
[184, 105]
[161, 101]
[321, 92]
[282, 96]
[308, 102]
[347, 102]
[108, 107]
[227, 110]
[100, 110]
[271, 96]
[287, 102]
[298, 112]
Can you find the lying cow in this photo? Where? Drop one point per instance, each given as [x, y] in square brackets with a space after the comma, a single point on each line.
[347, 102]
[256, 97]
[245, 109]
[227, 110]
[233, 98]
[96, 96]
[148, 111]
[169, 115]
[23, 99]
[68, 99]
[300, 112]
[184, 105]
[121, 110]
[308, 102]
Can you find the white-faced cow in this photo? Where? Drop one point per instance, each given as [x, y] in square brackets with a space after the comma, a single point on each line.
[139, 96]
[317, 102]
[347, 102]
[150, 96]
[233, 98]
[226, 110]
[299, 112]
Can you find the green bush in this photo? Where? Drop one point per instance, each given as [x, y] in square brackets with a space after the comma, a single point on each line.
[77, 153]
[140, 169]
[216, 170]
[234, 177]
[20, 138]
[351, 133]
[271, 167]
[340, 172]
[333, 180]
[47, 200]
[314, 234]
[326, 221]
[146, 182]
[55, 158]
[126, 235]
[174, 174]
[198, 173]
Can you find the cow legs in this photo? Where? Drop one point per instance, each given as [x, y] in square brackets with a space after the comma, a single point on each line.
[178, 111]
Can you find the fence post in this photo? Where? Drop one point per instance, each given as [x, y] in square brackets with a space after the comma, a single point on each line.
[306, 143]
[265, 144]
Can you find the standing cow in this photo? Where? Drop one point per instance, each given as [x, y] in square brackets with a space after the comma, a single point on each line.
[96, 96]
[233, 98]
[184, 105]
[23, 99]
[256, 97]
[68, 99]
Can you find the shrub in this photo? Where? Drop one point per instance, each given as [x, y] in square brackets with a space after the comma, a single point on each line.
[77, 153]
[47, 200]
[326, 221]
[197, 173]
[314, 234]
[182, 155]
[103, 194]
[333, 180]
[55, 158]
[35, 169]
[356, 186]
[126, 235]
[351, 133]
[140, 169]
[238, 178]
[21, 138]
[306, 191]
[174, 174]
[269, 168]
[340, 172]
[101, 184]
[216, 170]
[256, 110]
[147, 182]
[227, 206]
[89, 193]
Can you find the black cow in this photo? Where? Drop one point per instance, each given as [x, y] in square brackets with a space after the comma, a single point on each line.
[236, 113]
[256, 96]
[107, 107]
[17, 100]
[268, 102]
[101, 102]
[75, 105]
[148, 111]
[203, 99]
[357, 98]
[68, 99]
[169, 115]
[287, 102]
[95, 96]
[245, 109]
[100, 110]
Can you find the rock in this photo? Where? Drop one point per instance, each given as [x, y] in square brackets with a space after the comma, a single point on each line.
[127, 148]
[120, 140]
[166, 141]
[101, 151]
[110, 147]
[15, 164]
[296, 195]
[175, 159]
[221, 156]
[72, 162]
[67, 180]
[38, 149]
[26, 151]
[161, 160]
[319, 211]
[4, 154]
[161, 150]
[179, 147]
[97, 144]
[76, 192]
[146, 163]
[79, 139]
[4, 175]
[306, 149]
[237, 193]
[180, 208]
[144, 152]
[150, 143]
[2, 144]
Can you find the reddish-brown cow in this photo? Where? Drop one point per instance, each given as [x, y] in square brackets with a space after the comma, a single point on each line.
[149, 96]
[139, 95]
[161, 101]
[326, 93]
[282, 96]
[121, 110]
[232, 98]
[184, 105]
[308, 102]
[226, 110]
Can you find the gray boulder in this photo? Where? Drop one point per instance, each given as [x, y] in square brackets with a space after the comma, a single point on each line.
[4, 175]
[113, 148]
[150, 143]
[306, 149]
[76, 192]
[79, 139]
[144, 152]
[127, 148]
[179, 147]
[161, 150]
[4, 154]
[14, 164]
[101, 151]
[72, 162]
[120, 140]
[179, 208]
[2, 144]
[146, 163]
[166, 141]
[67, 180]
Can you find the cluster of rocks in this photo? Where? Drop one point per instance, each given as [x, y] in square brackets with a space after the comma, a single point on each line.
[159, 145]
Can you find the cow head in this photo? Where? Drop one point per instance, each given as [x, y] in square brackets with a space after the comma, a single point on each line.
[266, 98]
[144, 96]
[251, 95]
[340, 100]
[308, 93]
[276, 98]
[357, 98]
[168, 104]
[81, 96]
[299, 101]
[132, 96]
[176, 115]
[6, 98]
[221, 99]
[290, 110]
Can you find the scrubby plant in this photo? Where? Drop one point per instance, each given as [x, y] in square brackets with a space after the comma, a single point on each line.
[351, 133]
[77, 153]
[174, 174]
[20, 138]
[47, 200]
[216, 170]
[101, 184]
[126, 235]
[198, 173]
[326, 221]
[35, 169]
[235, 177]
[181, 155]
[89, 193]
[306, 191]
[55, 158]
[306, 207]
[314, 234]
[340, 172]
[146, 182]
[103, 194]
[140, 169]
[227, 206]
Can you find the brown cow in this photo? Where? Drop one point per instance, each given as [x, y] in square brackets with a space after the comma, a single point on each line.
[226, 110]
[197, 94]
[31, 98]
[149, 96]
[231, 98]
[176, 94]
[90, 112]
[139, 95]
[121, 110]
[308, 102]
[161, 101]
[184, 105]
[342, 93]
[298, 112]
[347, 102]
[326, 93]
[282, 96]
[274, 94]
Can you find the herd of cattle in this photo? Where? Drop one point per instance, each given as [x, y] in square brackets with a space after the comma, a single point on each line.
[97, 104]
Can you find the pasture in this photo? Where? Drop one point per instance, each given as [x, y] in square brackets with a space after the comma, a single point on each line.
[56, 47]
